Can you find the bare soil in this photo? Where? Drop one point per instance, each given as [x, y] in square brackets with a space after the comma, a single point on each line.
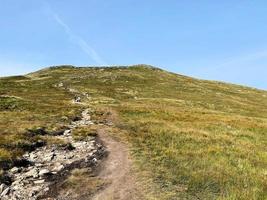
[116, 170]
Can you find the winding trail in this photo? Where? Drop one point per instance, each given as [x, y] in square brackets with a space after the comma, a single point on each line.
[116, 169]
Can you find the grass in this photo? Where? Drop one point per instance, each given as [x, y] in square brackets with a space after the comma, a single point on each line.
[80, 185]
[26, 103]
[190, 138]
[210, 155]
[81, 133]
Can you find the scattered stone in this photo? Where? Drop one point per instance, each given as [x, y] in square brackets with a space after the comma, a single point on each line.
[2, 187]
[39, 165]
[44, 172]
[33, 176]
[109, 123]
[67, 132]
[5, 192]
[49, 157]
[15, 170]
[32, 173]
[70, 156]
[46, 189]
[58, 168]
[33, 156]
[39, 181]
[33, 192]
[77, 99]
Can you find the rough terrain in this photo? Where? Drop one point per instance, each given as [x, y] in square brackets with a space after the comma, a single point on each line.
[50, 164]
[189, 138]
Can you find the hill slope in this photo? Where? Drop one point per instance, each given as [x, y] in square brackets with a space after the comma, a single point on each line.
[190, 139]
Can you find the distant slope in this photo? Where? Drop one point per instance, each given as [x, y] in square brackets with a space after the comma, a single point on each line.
[191, 138]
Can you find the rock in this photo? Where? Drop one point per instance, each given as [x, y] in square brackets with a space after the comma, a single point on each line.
[67, 132]
[58, 168]
[2, 187]
[70, 156]
[50, 157]
[94, 160]
[39, 165]
[5, 192]
[39, 181]
[77, 99]
[16, 187]
[33, 156]
[28, 178]
[15, 170]
[109, 123]
[16, 182]
[44, 172]
[90, 154]
[72, 90]
[33, 193]
[32, 173]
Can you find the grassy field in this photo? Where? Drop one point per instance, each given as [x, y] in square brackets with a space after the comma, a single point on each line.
[190, 138]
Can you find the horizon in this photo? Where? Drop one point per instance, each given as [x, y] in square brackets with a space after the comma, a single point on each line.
[91, 66]
[219, 41]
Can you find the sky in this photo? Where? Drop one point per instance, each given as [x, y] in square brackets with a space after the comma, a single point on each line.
[207, 39]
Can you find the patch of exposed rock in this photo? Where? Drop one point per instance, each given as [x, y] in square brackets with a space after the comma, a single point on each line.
[49, 164]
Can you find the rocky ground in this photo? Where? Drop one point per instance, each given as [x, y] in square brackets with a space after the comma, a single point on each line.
[49, 164]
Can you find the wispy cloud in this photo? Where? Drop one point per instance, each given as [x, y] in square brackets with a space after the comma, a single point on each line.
[79, 41]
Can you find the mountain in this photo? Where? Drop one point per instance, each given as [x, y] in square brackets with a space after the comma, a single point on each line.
[189, 138]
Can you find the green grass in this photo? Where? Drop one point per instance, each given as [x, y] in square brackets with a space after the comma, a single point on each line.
[190, 138]
[81, 133]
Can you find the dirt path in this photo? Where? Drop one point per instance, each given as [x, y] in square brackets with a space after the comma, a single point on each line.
[116, 169]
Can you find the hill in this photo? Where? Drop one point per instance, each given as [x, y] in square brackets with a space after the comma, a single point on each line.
[190, 138]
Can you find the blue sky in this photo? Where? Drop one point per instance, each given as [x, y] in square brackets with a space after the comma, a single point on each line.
[217, 40]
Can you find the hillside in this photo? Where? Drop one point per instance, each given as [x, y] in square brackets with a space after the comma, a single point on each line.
[189, 138]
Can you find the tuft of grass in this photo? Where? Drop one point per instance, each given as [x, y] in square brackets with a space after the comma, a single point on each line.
[81, 133]
[81, 184]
